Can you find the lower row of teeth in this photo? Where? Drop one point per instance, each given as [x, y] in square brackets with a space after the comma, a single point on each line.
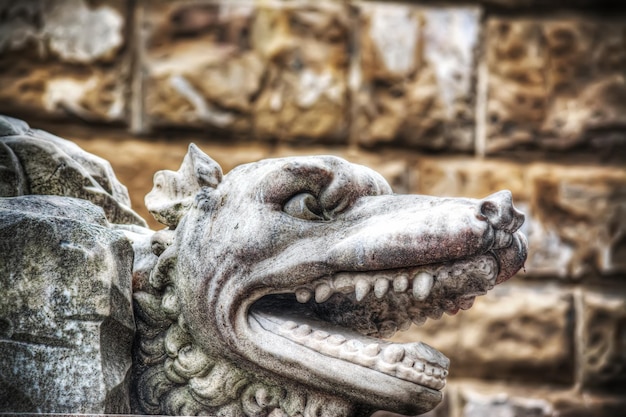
[388, 358]
[419, 283]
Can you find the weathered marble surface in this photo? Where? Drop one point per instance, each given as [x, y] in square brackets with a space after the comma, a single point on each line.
[66, 321]
[35, 162]
[304, 287]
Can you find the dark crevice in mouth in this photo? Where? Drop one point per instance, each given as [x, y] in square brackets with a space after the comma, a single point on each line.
[349, 314]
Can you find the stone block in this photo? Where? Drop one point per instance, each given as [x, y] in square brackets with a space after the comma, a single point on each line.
[414, 76]
[305, 47]
[555, 83]
[199, 66]
[62, 59]
[520, 332]
[66, 321]
[469, 177]
[275, 70]
[577, 222]
[603, 341]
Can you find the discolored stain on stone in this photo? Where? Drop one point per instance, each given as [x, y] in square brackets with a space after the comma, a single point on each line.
[414, 78]
[604, 340]
[64, 59]
[555, 83]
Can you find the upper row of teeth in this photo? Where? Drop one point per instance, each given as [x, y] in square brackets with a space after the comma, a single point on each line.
[419, 283]
[392, 359]
[362, 285]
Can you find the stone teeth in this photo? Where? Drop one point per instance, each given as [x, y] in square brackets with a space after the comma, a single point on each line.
[372, 349]
[353, 345]
[303, 295]
[343, 283]
[289, 325]
[362, 288]
[401, 283]
[303, 330]
[336, 340]
[419, 366]
[422, 284]
[320, 334]
[322, 293]
[393, 354]
[381, 287]
[408, 362]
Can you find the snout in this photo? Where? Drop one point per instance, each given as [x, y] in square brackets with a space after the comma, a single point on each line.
[510, 248]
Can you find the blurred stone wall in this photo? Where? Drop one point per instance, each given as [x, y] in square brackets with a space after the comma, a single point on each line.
[459, 100]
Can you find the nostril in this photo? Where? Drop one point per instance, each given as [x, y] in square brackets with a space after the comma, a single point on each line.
[499, 211]
[489, 209]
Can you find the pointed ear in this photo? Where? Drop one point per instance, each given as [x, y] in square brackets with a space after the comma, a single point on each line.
[207, 172]
[174, 192]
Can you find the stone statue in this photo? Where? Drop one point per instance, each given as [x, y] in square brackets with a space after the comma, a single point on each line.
[273, 288]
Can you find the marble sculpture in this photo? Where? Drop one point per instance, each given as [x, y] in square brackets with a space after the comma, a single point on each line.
[273, 289]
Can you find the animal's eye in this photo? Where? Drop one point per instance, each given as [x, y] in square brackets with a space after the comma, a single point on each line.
[304, 206]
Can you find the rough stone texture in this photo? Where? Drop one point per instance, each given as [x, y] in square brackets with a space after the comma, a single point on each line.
[555, 83]
[278, 70]
[578, 221]
[200, 67]
[604, 341]
[64, 58]
[525, 332]
[414, 76]
[306, 50]
[66, 323]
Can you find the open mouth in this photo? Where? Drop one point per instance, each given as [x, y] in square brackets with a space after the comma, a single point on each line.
[348, 315]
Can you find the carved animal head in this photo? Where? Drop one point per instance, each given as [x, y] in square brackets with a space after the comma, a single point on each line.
[277, 285]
